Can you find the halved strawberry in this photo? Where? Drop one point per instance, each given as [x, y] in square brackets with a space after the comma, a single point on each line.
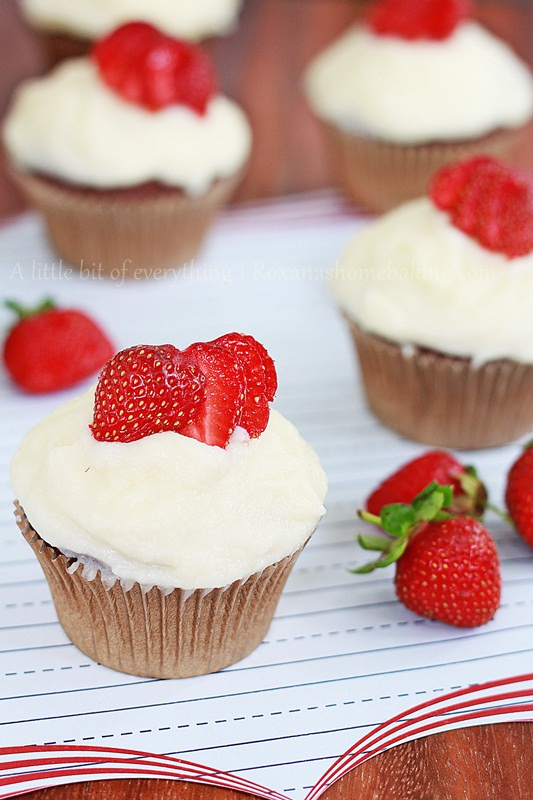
[417, 19]
[144, 390]
[220, 411]
[149, 68]
[489, 201]
[252, 356]
[202, 392]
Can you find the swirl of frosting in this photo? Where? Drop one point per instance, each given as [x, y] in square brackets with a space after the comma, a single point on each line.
[168, 510]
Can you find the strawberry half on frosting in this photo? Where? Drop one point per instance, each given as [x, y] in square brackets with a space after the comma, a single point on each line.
[417, 19]
[489, 201]
[147, 67]
[203, 392]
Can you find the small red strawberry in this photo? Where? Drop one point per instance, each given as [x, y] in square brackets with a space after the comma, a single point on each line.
[202, 392]
[144, 390]
[50, 348]
[417, 19]
[447, 566]
[469, 494]
[519, 493]
[149, 68]
[489, 201]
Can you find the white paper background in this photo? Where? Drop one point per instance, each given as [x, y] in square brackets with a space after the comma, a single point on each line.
[342, 655]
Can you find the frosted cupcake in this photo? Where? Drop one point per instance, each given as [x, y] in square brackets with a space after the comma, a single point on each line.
[136, 158]
[414, 87]
[168, 507]
[437, 294]
[69, 27]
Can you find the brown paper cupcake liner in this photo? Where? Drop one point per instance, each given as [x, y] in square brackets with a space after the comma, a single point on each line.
[378, 175]
[133, 233]
[443, 400]
[156, 632]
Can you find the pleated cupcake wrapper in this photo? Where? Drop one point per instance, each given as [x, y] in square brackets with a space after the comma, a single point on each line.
[443, 400]
[378, 175]
[125, 235]
[151, 631]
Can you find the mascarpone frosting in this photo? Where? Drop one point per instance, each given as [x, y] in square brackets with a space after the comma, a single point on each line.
[71, 126]
[168, 510]
[412, 277]
[190, 19]
[410, 92]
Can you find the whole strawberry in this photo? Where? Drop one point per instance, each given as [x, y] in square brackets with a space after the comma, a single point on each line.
[147, 67]
[417, 19]
[447, 566]
[403, 485]
[50, 348]
[519, 493]
[203, 392]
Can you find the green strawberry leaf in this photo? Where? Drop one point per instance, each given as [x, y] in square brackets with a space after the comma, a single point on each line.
[431, 500]
[397, 518]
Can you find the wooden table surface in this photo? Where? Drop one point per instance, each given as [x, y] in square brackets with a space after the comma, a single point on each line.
[260, 66]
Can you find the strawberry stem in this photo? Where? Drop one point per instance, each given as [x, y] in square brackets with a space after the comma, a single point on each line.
[499, 513]
[23, 312]
[368, 517]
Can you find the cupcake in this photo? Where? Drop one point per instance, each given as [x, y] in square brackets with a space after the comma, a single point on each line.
[136, 158]
[412, 88]
[68, 28]
[437, 294]
[167, 507]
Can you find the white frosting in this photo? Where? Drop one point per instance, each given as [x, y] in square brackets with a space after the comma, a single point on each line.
[412, 277]
[70, 125]
[169, 510]
[190, 19]
[415, 91]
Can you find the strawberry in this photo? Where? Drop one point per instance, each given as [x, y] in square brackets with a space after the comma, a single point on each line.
[147, 67]
[223, 401]
[489, 201]
[519, 493]
[447, 566]
[258, 368]
[49, 348]
[469, 494]
[143, 390]
[202, 392]
[417, 19]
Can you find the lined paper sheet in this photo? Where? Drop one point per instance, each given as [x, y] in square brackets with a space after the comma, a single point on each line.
[342, 656]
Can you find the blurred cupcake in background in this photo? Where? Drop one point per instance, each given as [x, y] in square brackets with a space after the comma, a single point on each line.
[128, 153]
[68, 27]
[437, 294]
[415, 86]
